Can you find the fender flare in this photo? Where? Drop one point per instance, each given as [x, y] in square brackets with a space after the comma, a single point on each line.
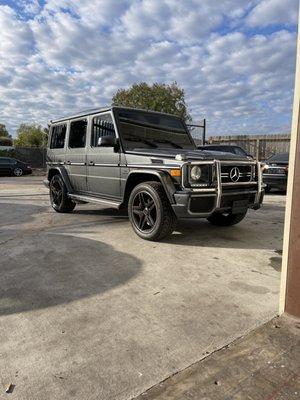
[62, 171]
[163, 176]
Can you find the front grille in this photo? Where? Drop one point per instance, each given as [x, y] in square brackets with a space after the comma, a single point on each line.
[275, 171]
[237, 173]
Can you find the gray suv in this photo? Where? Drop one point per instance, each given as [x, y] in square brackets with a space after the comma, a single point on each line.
[148, 163]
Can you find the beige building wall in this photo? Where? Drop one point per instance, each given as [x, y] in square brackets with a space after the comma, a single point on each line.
[290, 275]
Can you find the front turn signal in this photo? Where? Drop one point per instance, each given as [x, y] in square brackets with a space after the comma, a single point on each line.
[175, 172]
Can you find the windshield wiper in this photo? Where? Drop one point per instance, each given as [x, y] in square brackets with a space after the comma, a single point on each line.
[177, 146]
[134, 138]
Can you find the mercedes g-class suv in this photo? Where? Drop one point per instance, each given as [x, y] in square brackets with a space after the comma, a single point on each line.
[147, 162]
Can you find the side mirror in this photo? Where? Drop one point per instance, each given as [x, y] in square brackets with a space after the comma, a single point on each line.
[107, 141]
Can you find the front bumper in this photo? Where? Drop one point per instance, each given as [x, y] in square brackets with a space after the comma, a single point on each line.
[235, 198]
[275, 181]
[189, 205]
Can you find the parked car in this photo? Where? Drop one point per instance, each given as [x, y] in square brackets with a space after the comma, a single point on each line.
[147, 162]
[11, 166]
[275, 172]
[226, 148]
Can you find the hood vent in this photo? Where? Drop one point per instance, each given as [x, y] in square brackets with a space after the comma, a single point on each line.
[157, 161]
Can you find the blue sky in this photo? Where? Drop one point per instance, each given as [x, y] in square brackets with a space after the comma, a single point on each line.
[235, 59]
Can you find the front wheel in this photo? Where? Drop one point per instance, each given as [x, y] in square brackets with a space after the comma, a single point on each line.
[226, 219]
[18, 172]
[150, 213]
[59, 196]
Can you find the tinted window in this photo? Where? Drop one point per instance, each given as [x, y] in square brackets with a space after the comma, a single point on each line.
[102, 126]
[4, 160]
[218, 148]
[58, 136]
[239, 151]
[78, 133]
[281, 157]
[225, 149]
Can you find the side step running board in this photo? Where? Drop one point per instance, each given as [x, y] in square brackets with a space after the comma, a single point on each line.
[88, 199]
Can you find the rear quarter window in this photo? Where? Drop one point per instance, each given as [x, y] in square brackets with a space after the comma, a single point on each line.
[58, 136]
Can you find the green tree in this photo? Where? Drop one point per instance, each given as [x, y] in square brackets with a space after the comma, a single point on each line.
[3, 131]
[157, 97]
[5, 141]
[31, 135]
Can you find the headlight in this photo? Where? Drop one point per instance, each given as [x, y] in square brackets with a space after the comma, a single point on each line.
[196, 173]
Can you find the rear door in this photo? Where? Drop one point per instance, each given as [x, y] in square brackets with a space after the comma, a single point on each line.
[75, 154]
[103, 163]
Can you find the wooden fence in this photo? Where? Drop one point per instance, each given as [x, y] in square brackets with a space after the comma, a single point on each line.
[260, 146]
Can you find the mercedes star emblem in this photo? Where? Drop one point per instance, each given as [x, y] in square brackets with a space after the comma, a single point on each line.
[234, 174]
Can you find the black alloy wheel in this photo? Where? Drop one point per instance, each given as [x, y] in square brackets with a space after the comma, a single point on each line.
[144, 211]
[150, 212]
[59, 196]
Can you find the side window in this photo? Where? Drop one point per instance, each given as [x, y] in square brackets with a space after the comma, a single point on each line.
[102, 126]
[58, 136]
[238, 151]
[78, 134]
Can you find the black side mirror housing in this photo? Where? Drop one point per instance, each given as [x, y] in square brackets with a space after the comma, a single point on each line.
[107, 141]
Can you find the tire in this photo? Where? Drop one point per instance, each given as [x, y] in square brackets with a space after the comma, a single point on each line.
[59, 199]
[267, 189]
[226, 219]
[150, 213]
[18, 171]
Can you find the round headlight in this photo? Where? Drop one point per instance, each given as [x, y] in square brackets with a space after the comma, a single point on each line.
[196, 173]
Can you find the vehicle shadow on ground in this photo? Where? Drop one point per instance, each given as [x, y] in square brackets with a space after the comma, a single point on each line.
[247, 235]
[52, 269]
[250, 234]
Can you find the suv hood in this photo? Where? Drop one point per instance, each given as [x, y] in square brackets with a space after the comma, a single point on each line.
[189, 155]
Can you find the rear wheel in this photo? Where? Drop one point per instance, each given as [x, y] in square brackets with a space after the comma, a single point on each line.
[226, 219]
[150, 213]
[59, 196]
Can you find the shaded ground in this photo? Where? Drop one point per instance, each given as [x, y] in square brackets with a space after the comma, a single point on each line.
[88, 310]
[264, 365]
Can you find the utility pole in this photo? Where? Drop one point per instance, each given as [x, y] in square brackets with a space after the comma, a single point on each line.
[203, 126]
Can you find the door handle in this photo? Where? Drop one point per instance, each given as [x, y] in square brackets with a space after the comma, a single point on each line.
[91, 163]
[68, 162]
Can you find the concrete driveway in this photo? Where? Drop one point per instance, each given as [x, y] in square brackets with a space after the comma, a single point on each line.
[90, 311]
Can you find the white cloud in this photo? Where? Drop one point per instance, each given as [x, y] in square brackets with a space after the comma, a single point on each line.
[69, 54]
[269, 12]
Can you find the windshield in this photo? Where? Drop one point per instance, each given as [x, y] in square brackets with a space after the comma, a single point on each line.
[140, 129]
[281, 157]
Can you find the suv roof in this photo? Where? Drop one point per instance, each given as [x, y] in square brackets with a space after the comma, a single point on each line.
[90, 111]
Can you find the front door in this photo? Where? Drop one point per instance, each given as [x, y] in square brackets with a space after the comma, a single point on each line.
[103, 163]
[6, 166]
[75, 156]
